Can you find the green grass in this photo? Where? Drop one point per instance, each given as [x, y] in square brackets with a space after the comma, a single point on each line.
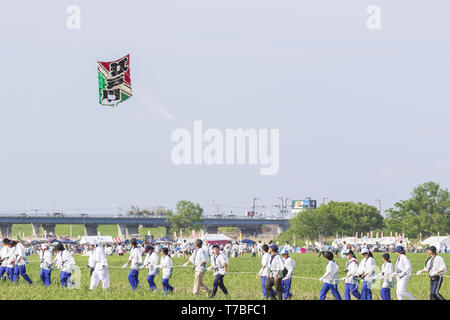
[241, 286]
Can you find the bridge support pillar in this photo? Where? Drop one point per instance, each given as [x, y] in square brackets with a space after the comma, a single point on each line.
[211, 229]
[90, 229]
[251, 231]
[36, 229]
[127, 230]
[49, 229]
[6, 230]
[167, 231]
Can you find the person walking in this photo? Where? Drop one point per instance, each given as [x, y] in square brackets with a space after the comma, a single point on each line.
[151, 263]
[330, 279]
[10, 260]
[199, 259]
[387, 274]
[286, 282]
[351, 279]
[264, 271]
[275, 266]
[435, 266]
[100, 265]
[45, 256]
[403, 273]
[166, 267]
[135, 259]
[65, 262]
[366, 272]
[4, 255]
[219, 262]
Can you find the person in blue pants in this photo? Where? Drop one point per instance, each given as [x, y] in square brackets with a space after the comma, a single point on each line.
[19, 268]
[151, 262]
[65, 262]
[330, 279]
[46, 261]
[166, 270]
[289, 265]
[387, 274]
[136, 262]
[351, 279]
[366, 271]
[10, 265]
[4, 254]
[265, 270]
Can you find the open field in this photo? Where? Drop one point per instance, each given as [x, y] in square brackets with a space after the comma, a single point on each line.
[240, 285]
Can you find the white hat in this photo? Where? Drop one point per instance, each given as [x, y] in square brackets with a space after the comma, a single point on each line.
[364, 250]
[44, 246]
[284, 251]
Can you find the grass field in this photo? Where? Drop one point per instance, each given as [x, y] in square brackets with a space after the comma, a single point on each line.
[240, 285]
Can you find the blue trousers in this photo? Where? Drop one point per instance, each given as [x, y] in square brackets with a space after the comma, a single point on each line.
[351, 289]
[366, 293]
[10, 273]
[286, 288]
[151, 282]
[2, 271]
[328, 286]
[133, 278]
[46, 277]
[166, 286]
[64, 277]
[263, 285]
[385, 293]
[20, 270]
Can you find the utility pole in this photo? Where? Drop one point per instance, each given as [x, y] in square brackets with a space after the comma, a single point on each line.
[379, 207]
[254, 204]
[323, 200]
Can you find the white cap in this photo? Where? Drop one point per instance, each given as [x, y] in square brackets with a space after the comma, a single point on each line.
[284, 251]
[364, 250]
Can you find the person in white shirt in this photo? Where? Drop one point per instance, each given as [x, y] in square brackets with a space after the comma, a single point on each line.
[119, 250]
[351, 279]
[100, 265]
[219, 262]
[184, 248]
[264, 271]
[330, 279]
[10, 260]
[242, 248]
[151, 263]
[387, 274]
[275, 266]
[227, 250]
[259, 247]
[90, 264]
[199, 259]
[435, 266]
[166, 267]
[45, 256]
[19, 263]
[136, 262]
[289, 266]
[403, 272]
[4, 254]
[65, 262]
[253, 250]
[366, 272]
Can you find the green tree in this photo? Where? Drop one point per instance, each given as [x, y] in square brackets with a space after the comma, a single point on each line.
[332, 218]
[426, 211]
[188, 216]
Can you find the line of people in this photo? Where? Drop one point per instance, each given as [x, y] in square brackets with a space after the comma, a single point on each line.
[365, 272]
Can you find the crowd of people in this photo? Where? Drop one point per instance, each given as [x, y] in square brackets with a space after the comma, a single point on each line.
[276, 273]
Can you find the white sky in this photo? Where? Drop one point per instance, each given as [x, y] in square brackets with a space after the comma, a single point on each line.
[363, 114]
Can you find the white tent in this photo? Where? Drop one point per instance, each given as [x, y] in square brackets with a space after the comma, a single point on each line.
[99, 239]
[440, 242]
[216, 237]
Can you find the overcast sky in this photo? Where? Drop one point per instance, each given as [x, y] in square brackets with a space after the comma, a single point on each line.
[363, 114]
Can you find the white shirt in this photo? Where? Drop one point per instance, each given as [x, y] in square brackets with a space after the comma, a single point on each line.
[403, 266]
[136, 258]
[198, 257]
[65, 261]
[438, 266]
[331, 273]
[387, 274]
[218, 262]
[166, 267]
[151, 262]
[119, 249]
[264, 272]
[276, 265]
[4, 254]
[11, 257]
[289, 264]
[352, 271]
[46, 259]
[99, 259]
[367, 267]
[20, 254]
